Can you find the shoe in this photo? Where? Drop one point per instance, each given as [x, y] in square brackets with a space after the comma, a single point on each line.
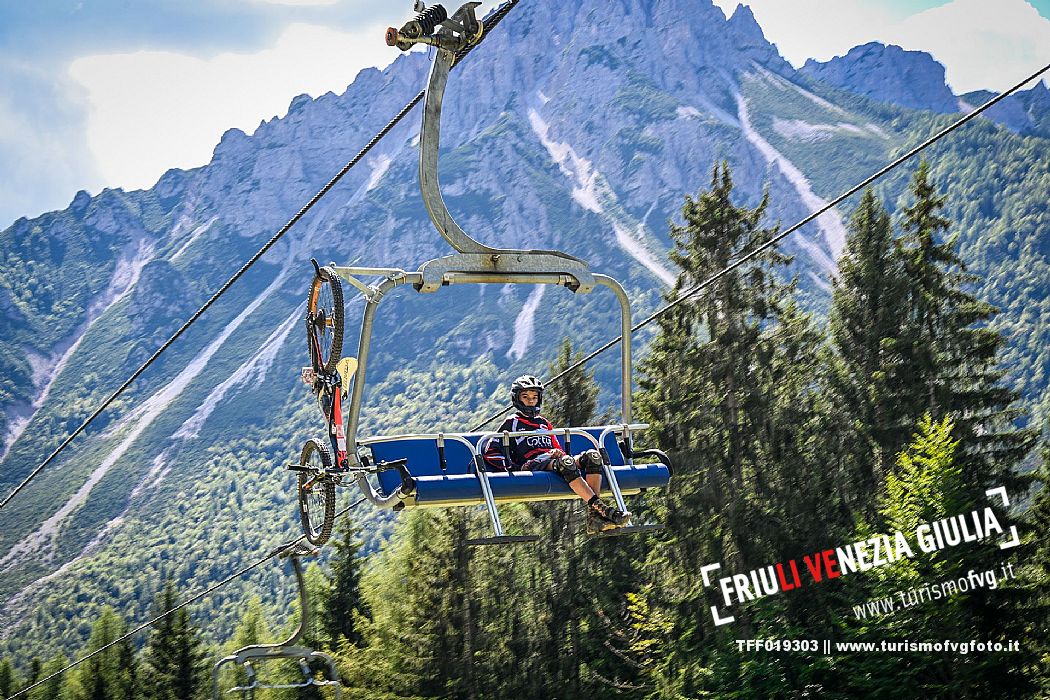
[618, 518]
[597, 524]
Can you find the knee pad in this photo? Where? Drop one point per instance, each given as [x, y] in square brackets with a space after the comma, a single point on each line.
[590, 462]
[566, 467]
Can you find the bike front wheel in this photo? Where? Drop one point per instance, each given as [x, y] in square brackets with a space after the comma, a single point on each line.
[324, 321]
[316, 493]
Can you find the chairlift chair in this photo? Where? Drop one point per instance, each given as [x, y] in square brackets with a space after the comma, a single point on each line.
[447, 469]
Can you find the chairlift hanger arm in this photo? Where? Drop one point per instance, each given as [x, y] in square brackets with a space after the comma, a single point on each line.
[429, 143]
[433, 26]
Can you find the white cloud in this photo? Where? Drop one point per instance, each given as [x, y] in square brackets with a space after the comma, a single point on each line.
[41, 144]
[154, 110]
[983, 45]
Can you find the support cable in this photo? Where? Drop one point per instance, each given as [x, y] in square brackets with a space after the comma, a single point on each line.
[277, 552]
[489, 23]
[781, 236]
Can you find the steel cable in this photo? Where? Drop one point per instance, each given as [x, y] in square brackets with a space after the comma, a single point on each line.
[489, 24]
[781, 236]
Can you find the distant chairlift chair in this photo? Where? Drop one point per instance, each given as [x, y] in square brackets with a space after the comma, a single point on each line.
[247, 657]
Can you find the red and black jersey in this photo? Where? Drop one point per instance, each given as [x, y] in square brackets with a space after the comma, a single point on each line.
[524, 447]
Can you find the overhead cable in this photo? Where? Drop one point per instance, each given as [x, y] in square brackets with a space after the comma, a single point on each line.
[784, 234]
[489, 24]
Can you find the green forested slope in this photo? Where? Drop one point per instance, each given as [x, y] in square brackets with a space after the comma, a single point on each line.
[995, 183]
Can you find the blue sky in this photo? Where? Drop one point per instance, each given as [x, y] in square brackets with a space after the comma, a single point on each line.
[110, 93]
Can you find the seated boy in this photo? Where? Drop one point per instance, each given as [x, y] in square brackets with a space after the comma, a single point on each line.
[543, 453]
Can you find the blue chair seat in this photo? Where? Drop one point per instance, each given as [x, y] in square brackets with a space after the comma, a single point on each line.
[458, 485]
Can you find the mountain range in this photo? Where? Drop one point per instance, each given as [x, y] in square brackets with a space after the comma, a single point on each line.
[574, 126]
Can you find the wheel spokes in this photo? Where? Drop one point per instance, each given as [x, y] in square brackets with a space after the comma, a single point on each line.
[325, 320]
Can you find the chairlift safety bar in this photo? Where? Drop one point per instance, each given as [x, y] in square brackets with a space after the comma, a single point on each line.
[464, 437]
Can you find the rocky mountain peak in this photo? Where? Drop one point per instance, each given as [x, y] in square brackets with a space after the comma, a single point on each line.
[744, 24]
[80, 202]
[748, 38]
[910, 79]
[1026, 112]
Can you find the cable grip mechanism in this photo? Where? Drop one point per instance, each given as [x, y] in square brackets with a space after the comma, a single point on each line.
[433, 26]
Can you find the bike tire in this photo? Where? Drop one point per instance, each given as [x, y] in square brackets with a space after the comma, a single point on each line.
[324, 321]
[317, 500]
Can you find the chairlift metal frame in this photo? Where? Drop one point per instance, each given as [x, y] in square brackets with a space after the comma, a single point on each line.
[472, 263]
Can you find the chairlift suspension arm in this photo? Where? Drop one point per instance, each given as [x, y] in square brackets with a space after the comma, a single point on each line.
[287, 649]
[429, 143]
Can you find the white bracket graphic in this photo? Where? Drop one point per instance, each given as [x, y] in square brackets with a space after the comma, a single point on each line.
[1015, 538]
[1000, 491]
[705, 572]
[706, 569]
[719, 621]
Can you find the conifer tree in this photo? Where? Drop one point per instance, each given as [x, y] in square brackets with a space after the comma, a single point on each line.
[9, 682]
[34, 670]
[923, 487]
[940, 360]
[952, 352]
[698, 384]
[57, 688]
[713, 385]
[953, 355]
[173, 660]
[343, 604]
[927, 482]
[252, 628]
[110, 675]
[867, 317]
[422, 639]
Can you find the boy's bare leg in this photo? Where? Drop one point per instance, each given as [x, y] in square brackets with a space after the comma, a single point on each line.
[595, 482]
[582, 489]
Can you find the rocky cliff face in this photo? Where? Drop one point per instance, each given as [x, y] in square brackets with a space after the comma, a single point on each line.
[888, 74]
